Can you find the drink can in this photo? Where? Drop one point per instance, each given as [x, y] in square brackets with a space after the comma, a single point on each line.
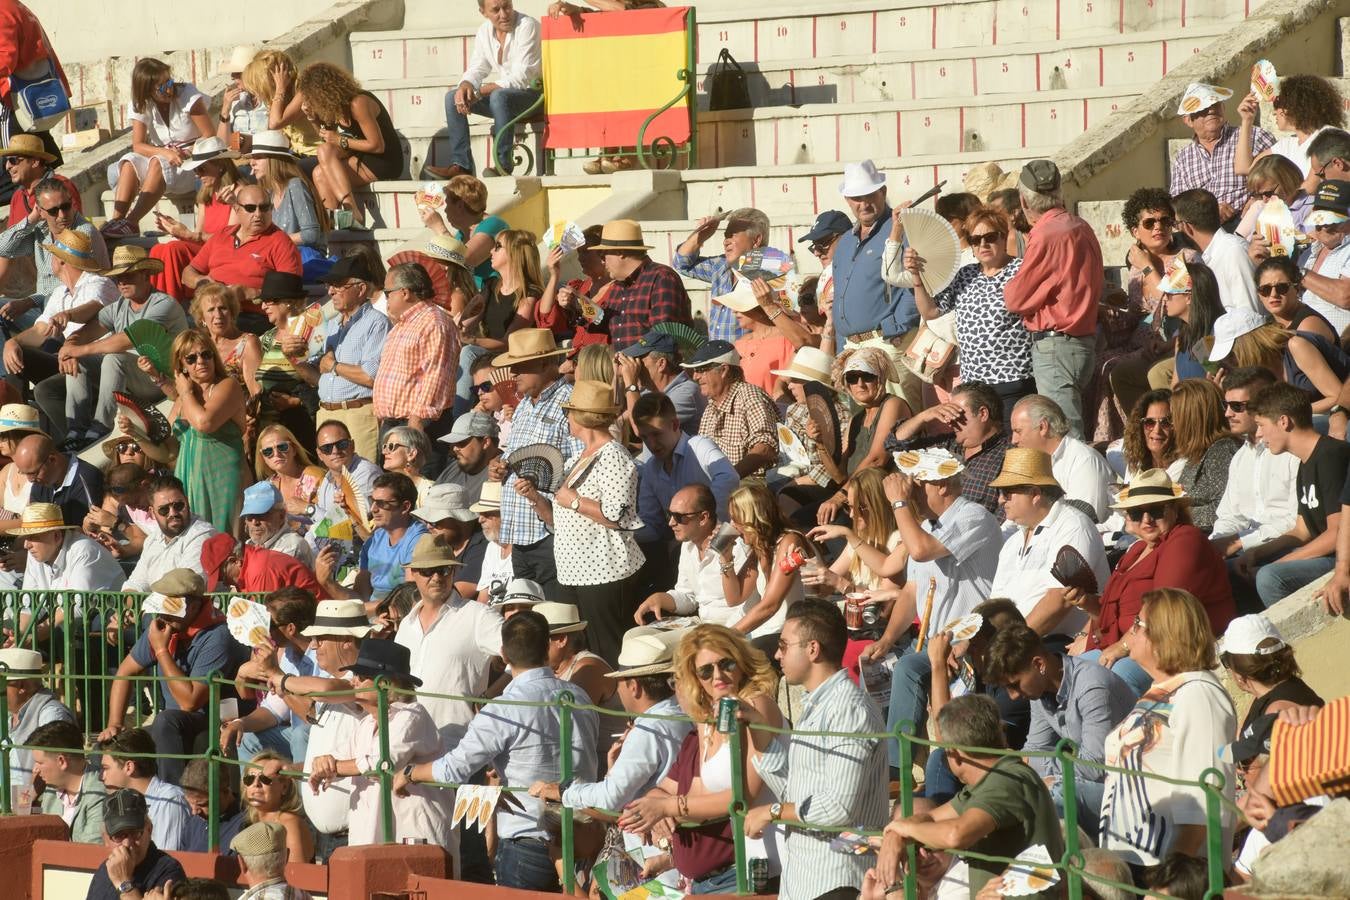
[726, 714]
[853, 611]
[792, 561]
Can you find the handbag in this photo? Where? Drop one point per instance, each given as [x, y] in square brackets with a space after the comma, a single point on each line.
[39, 103]
[933, 349]
[727, 85]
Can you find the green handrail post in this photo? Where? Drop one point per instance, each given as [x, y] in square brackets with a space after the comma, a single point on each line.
[737, 811]
[1064, 754]
[903, 730]
[1212, 782]
[565, 701]
[386, 765]
[5, 809]
[213, 763]
[510, 128]
[67, 625]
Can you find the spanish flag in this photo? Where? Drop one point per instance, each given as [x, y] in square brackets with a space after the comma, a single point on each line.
[605, 77]
[1312, 759]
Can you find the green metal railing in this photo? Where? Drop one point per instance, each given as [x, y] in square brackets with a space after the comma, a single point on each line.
[1071, 865]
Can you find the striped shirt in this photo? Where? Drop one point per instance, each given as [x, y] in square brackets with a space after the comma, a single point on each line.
[538, 421]
[837, 782]
[417, 369]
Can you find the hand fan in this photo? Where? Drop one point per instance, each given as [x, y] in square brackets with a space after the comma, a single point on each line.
[430, 195]
[153, 342]
[304, 324]
[1033, 872]
[149, 421]
[1265, 83]
[964, 628]
[566, 235]
[250, 623]
[440, 278]
[504, 383]
[352, 501]
[934, 239]
[791, 449]
[819, 409]
[686, 338]
[540, 463]
[1071, 570]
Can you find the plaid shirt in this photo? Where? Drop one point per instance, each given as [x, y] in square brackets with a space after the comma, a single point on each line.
[714, 270]
[417, 369]
[740, 420]
[541, 421]
[1196, 167]
[654, 293]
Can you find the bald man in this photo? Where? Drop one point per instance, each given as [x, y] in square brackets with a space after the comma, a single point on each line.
[69, 482]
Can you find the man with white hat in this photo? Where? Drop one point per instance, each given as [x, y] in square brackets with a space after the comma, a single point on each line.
[240, 111]
[31, 705]
[1207, 161]
[446, 512]
[473, 441]
[264, 515]
[497, 569]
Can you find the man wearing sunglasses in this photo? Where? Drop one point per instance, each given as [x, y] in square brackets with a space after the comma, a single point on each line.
[240, 255]
[746, 229]
[1207, 161]
[27, 163]
[1329, 155]
[1326, 268]
[53, 212]
[337, 453]
[473, 441]
[698, 591]
[652, 365]
[1200, 218]
[176, 542]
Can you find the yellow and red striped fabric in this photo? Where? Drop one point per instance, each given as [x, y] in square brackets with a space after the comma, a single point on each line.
[1312, 759]
[603, 80]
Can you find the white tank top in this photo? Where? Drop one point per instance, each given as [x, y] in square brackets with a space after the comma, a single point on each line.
[715, 773]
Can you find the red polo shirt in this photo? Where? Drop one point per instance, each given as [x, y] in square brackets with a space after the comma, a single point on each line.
[266, 570]
[223, 259]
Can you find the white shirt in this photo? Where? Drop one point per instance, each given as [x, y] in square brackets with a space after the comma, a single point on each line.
[82, 564]
[426, 811]
[1024, 562]
[698, 586]
[522, 60]
[169, 814]
[160, 554]
[90, 288]
[1289, 147]
[452, 657]
[964, 575]
[180, 129]
[1335, 265]
[291, 543]
[331, 735]
[1227, 256]
[1260, 503]
[1084, 475]
[497, 567]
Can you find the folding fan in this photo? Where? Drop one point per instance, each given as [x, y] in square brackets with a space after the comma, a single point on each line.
[934, 239]
[1071, 570]
[686, 338]
[148, 420]
[153, 342]
[819, 411]
[540, 463]
[504, 383]
[352, 501]
[440, 278]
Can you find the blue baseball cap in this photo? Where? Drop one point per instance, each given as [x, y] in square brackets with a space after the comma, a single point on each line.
[713, 352]
[260, 499]
[651, 342]
[828, 224]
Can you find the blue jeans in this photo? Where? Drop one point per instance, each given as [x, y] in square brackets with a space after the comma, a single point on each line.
[1089, 796]
[910, 682]
[502, 105]
[524, 863]
[720, 882]
[1128, 670]
[1062, 366]
[1277, 580]
[939, 784]
[290, 741]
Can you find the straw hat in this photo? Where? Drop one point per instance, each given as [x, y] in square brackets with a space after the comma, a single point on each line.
[982, 179]
[448, 249]
[339, 618]
[592, 397]
[621, 234]
[489, 499]
[271, 143]
[431, 552]
[808, 364]
[1149, 487]
[528, 344]
[563, 618]
[73, 248]
[1024, 466]
[239, 59]
[29, 146]
[19, 661]
[39, 518]
[131, 258]
[20, 417]
[647, 653]
[160, 453]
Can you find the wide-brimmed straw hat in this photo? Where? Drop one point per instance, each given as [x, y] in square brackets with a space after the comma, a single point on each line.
[27, 145]
[271, 143]
[73, 248]
[206, 149]
[646, 652]
[808, 364]
[592, 397]
[39, 518]
[430, 552]
[1147, 488]
[160, 453]
[528, 344]
[448, 249]
[563, 618]
[621, 234]
[489, 498]
[1024, 466]
[20, 417]
[131, 258]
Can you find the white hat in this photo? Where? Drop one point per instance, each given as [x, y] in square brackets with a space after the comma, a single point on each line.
[741, 298]
[861, 362]
[271, 143]
[342, 618]
[1323, 217]
[808, 364]
[647, 652]
[1246, 634]
[206, 149]
[522, 591]
[489, 498]
[444, 501]
[19, 661]
[1200, 96]
[239, 59]
[563, 618]
[1229, 327]
[929, 464]
[861, 179]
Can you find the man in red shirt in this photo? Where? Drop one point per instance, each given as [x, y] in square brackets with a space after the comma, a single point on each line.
[231, 565]
[241, 254]
[1057, 290]
[27, 163]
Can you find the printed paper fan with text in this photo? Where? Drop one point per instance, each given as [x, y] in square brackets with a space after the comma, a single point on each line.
[153, 342]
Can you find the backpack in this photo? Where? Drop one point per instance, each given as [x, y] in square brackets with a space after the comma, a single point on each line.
[727, 86]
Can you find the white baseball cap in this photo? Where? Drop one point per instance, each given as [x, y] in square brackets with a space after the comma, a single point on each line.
[1246, 634]
[1229, 327]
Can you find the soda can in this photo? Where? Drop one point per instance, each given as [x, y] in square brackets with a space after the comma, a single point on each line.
[792, 561]
[853, 611]
[726, 714]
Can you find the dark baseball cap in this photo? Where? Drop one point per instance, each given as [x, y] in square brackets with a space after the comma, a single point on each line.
[651, 342]
[1334, 196]
[1041, 176]
[347, 268]
[123, 811]
[828, 224]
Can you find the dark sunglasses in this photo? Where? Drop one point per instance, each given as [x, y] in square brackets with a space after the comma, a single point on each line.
[265, 206]
[1279, 289]
[1264, 195]
[822, 247]
[1155, 511]
[175, 505]
[433, 571]
[384, 504]
[1236, 406]
[681, 518]
[726, 665]
[483, 387]
[59, 208]
[1157, 423]
[280, 449]
[1139, 624]
[1165, 222]
[193, 358]
[859, 377]
[128, 447]
[989, 237]
[248, 780]
[336, 446]
[14, 160]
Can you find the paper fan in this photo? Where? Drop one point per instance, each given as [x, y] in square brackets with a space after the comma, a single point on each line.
[504, 383]
[934, 239]
[768, 263]
[440, 278]
[540, 463]
[249, 622]
[352, 501]
[1071, 570]
[148, 420]
[819, 410]
[686, 338]
[153, 342]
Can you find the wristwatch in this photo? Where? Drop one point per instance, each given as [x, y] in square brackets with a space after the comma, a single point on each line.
[899, 504]
[125, 887]
[633, 389]
[575, 504]
[776, 810]
[407, 771]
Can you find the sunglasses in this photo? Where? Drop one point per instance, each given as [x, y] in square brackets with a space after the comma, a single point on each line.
[59, 208]
[128, 447]
[483, 387]
[681, 518]
[14, 160]
[726, 665]
[384, 504]
[1139, 624]
[193, 358]
[1279, 289]
[1155, 512]
[1236, 406]
[336, 446]
[166, 87]
[265, 206]
[390, 447]
[264, 780]
[433, 571]
[174, 506]
[820, 248]
[990, 237]
[1163, 222]
[859, 378]
[1264, 195]
[280, 449]
[1157, 423]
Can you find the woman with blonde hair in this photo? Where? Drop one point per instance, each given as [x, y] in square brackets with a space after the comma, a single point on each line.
[1307, 361]
[281, 460]
[1204, 440]
[213, 211]
[509, 299]
[1272, 176]
[771, 582]
[712, 663]
[215, 309]
[208, 420]
[270, 77]
[270, 796]
[595, 362]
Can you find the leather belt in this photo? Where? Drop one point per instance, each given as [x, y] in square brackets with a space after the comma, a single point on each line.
[864, 336]
[349, 404]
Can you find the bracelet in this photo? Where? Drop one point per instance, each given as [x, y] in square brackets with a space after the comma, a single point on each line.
[224, 118]
[682, 806]
[728, 568]
[281, 688]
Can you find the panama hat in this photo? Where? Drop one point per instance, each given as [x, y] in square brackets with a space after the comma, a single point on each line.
[528, 344]
[431, 552]
[1149, 487]
[1024, 466]
[206, 149]
[929, 464]
[20, 661]
[444, 501]
[808, 364]
[563, 618]
[646, 652]
[446, 248]
[271, 143]
[131, 258]
[861, 179]
[522, 591]
[489, 499]
[29, 146]
[73, 248]
[621, 234]
[591, 397]
[339, 618]
[39, 518]
[239, 58]
[1200, 96]
[20, 417]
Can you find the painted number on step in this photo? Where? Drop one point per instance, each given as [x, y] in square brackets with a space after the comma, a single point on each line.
[433, 50]
[904, 21]
[723, 36]
[377, 53]
[942, 71]
[1054, 113]
[927, 121]
[782, 31]
[1129, 56]
[1089, 7]
[1005, 67]
[415, 99]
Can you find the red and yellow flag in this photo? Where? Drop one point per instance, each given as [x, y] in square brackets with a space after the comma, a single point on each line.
[603, 79]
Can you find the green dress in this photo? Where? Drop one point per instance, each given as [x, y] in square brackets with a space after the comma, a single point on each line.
[211, 468]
